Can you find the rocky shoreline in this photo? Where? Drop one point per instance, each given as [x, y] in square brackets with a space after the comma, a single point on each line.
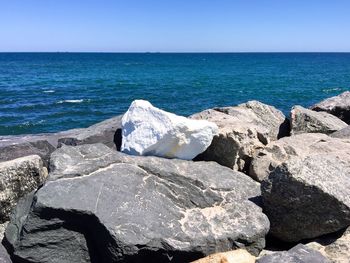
[269, 188]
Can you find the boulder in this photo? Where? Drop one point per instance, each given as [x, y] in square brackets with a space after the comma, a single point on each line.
[147, 130]
[4, 256]
[343, 133]
[337, 251]
[15, 148]
[338, 106]
[307, 121]
[301, 145]
[107, 132]
[136, 209]
[308, 197]
[243, 130]
[234, 256]
[17, 178]
[297, 254]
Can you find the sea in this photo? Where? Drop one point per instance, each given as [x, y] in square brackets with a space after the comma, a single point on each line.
[50, 92]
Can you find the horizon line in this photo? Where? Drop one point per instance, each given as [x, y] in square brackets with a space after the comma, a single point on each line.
[174, 52]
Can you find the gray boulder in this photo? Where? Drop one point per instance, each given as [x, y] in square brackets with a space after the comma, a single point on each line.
[4, 256]
[297, 254]
[243, 130]
[307, 121]
[17, 178]
[343, 133]
[308, 197]
[136, 209]
[107, 132]
[336, 250]
[301, 145]
[338, 106]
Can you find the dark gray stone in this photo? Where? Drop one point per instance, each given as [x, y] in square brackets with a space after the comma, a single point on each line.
[343, 133]
[20, 147]
[136, 209]
[338, 106]
[243, 130]
[297, 254]
[308, 197]
[107, 132]
[307, 121]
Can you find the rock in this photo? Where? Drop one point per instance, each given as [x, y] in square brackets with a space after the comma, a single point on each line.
[307, 121]
[308, 197]
[297, 254]
[107, 132]
[4, 256]
[14, 148]
[2, 230]
[243, 130]
[337, 251]
[17, 178]
[147, 130]
[234, 256]
[338, 106]
[343, 133]
[136, 209]
[301, 145]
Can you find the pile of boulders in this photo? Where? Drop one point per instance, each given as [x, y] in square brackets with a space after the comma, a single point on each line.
[261, 187]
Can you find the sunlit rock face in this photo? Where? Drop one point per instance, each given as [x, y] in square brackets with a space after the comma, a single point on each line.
[147, 130]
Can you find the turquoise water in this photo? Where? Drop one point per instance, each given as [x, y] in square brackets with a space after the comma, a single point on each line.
[48, 92]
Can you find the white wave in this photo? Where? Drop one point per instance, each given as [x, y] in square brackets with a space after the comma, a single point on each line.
[49, 91]
[70, 101]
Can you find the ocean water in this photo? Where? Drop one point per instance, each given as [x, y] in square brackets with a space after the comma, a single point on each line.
[49, 92]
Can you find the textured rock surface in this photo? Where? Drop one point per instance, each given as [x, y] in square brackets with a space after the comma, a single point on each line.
[2, 230]
[17, 178]
[343, 133]
[301, 145]
[107, 132]
[304, 121]
[137, 209]
[4, 256]
[297, 254]
[12, 149]
[310, 197]
[338, 106]
[148, 130]
[242, 130]
[235, 256]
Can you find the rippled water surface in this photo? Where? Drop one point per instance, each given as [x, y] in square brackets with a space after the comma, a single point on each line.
[48, 92]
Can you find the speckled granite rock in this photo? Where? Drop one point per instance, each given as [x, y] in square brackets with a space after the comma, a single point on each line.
[4, 256]
[134, 209]
[301, 145]
[243, 130]
[297, 254]
[308, 197]
[338, 106]
[17, 178]
[306, 121]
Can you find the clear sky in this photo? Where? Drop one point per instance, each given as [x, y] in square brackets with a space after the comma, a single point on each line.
[175, 25]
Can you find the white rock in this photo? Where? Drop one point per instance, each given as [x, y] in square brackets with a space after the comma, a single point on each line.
[148, 130]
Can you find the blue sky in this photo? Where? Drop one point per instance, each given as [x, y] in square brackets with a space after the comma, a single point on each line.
[175, 25]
